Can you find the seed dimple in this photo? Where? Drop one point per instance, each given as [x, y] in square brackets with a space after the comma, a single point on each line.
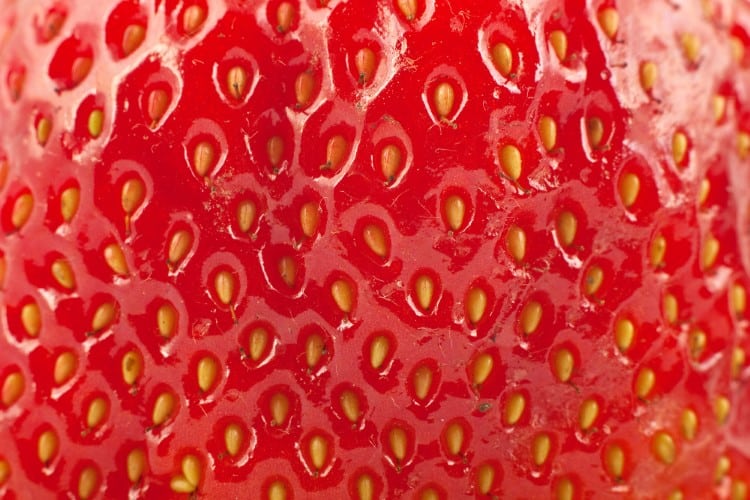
[424, 289]
[649, 75]
[691, 47]
[65, 366]
[563, 364]
[135, 464]
[88, 482]
[350, 405]
[629, 187]
[192, 19]
[365, 62]
[315, 347]
[485, 478]
[115, 259]
[390, 161]
[279, 406]
[482, 368]
[657, 250]
[408, 8]
[663, 447]
[531, 317]
[624, 334]
[548, 132]
[309, 216]
[514, 408]
[343, 295]
[595, 132]
[233, 437]
[156, 106]
[722, 407]
[103, 316]
[614, 460]
[422, 381]
[567, 226]
[510, 160]
[236, 82]
[31, 319]
[336, 150]
[318, 449]
[710, 252]
[689, 424]
[644, 382]
[12, 389]
[454, 438]
[559, 41]
[502, 57]
[207, 372]
[69, 201]
[304, 86]
[379, 349]
[398, 442]
[21, 212]
[96, 413]
[131, 367]
[375, 239]
[132, 38]
[588, 414]
[540, 449]
[47, 446]
[203, 157]
[476, 304]
[609, 21]
[443, 99]
[454, 210]
[284, 17]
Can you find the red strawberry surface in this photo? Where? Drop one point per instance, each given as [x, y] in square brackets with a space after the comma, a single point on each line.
[430, 249]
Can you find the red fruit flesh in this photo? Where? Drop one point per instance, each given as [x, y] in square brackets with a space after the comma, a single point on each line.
[280, 248]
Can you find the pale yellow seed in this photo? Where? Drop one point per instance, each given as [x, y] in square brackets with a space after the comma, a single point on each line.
[644, 382]
[131, 367]
[743, 145]
[203, 157]
[624, 334]
[65, 366]
[514, 408]
[454, 210]
[163, 408]
[336, 150]
[97, 412]
[375, 240]
[166, 320]
[233, 437]
[510, 161]
[531, 317]
[563, 364]
[350, 405]
[422, 381]
[88, 482]
[588, 414]
[365, 487]
[482, 368]
[343, 295]
[710, 252]
[516, 243]
[390, 161]
[548, 132]
[723, 464]
[443, 99]
[309, 215]
[559, 41]
[629, 187]
[31, 319]
[379, 349]
[318, 450]
[614, 460]
[649, 75]
[565, 490]
[95, 122]
[540, 449]
[719, 105]
[258, 343]
[69, 201]
[43, 130]
[191, 469]
[657, 251]
[236, 81]
[689, 424]
[691, 47]
[63, 274]
[609, 21]
[224, 284]
[47, 446]
[277, 491]
[738, 490]
[670, 308]
[179, 245]
[103, 317]
[398, 441]
[135, 465]
[207, 371]
[485, 478]
[738, 361]
[476, 304]
[502, 57]
[679, 147]
[115, 259]
[246, 212]
[12, 389]
[697, 341]
[722, 407]
[424, 290]
[454, 438]
[132, 38]
[593, 280]
[314, 349]
[4, 471]
[193, 18]
[594, 132]
[408, 8]
[279, 408]
[567, 226]
[737, 49]
[663, 447]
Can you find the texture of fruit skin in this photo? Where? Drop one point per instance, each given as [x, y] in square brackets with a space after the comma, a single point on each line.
[273, 182]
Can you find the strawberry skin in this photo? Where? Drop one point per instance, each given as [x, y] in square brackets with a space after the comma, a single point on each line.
[295, 249]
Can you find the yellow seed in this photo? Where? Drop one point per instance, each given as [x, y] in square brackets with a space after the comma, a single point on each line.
[191, 469]
[422, 381]
[719, 105]
[275, 150]
[258, 343]
[304, 86]
[166, 320]
[343, 295]
[662, 446]
[510, 161]
[649, 75]
[336, 150]
[443, 99]
[279, 406]
[502, 57]
[390, 161]
[689, 424]
[704, 191]
[193, 18]
[203, 157]
[548, 132]
[565, 490]
[69, 200]
[103, 317]
[47, 446]
[697, 341]
[233, 437]
[163, 408]
[540, 449]
[737, 49]
[454, 438]
[12, 389]
[135, 464]
[132, 367]
[95, 122]
[482, 368]
[207, 371]
[277, 491]
[31, 319]
[588, 414]
[485, 478]
[236, 81]
[670, 308]
[65, 366]
[21, 212]
[318, 449]
[315, 347]
[287, 268]
[424, 289]
[309, 216]
[96, 413]
[722, 468]
[88, 483]
[350, 405]
[408, 8]
[4, 471]
[738, 490]
[516, 243]
[710, 252]
[3, 267]
[158, 101]
[644, 382]
[614, 461]
[563, 364]
[179, 484]
[132, 38]
[476, 304]
[379, 349]
[454, 210]
[43, 130]
[567, 226]
[365, 61]
[628, 187]
[594, 132]
[284, 17]
[624, 334]
[609, 20]
[63, 274]
[376, 240]
[559, 41]
[115, 259]
[246, 211]
[743, 144]
[132, 195]
[531, 317]
[691, 47]
[657, 251]
[224, 284]
[365, 487]
[514, 408]
[398, 441]
[593, 280]
[679, 148]
[722, 407]
[738, 361]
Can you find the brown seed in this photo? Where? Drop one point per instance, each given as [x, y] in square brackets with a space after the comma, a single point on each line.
[454, 210]
[350, 405]
[47, 446]
[16, 80]
[304, 86]
[408, 8]
[236, 82]
[164, 406]
[279, 406]
[315, 348]
[390, 161]
[203, 157]
[530, 317]
[567, 226]
[103, 316]
[609, 20]
[424, 290]
[318, 450]
[275, 150]
[22, 209]
[132, 38]
[309, 217]
[559, 41]
[476, 304]
[158, 102]
[379, 350]
[284, 17]
[69, 201]
[258, 343]
[398, 441]
[80, 69]
[444, 99]
[65, 367]
[135, 465]
[179, 245]
[288, 271]
[246, 213]
[365, 61]
[115, 259]
[516, 243]
[192, 19]
[502, 57]
[422, 381]
[31, 319]
[376, 240]
[343, 295]
[510, 161]
[131, 367]
[12, 388]
[565, 489]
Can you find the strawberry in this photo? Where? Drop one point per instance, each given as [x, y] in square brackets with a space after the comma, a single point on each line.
[294, 249]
